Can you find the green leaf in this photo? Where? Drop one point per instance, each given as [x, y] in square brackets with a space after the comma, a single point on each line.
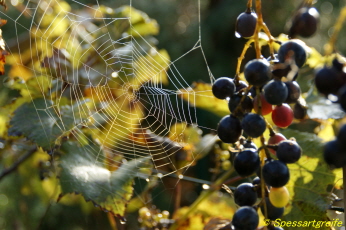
[40, 122]
[84, 173]
[321, 108]
[309, 179]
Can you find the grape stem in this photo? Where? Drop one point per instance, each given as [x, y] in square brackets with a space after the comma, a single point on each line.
[249, 4]
[214, 187]
[262, 26]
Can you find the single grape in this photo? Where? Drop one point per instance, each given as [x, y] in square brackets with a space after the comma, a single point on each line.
[245, 195]
[280, 70]
[293, 49]
[337, 64]
[334, 155]
[293, 92]
[246, 104]
[305, 22]
[272, 212]
[245, 218]
[341, 137]
[299, 111]
[246, 24]
[229, 129]
[257, 72]
[275, 92]
[223, 87]
[329, 80]
[256, 181]
[226, 165]
[282, 115]
[288, 151]
[246, 162]
[279, 197]
[342, 97]
[274, 140]
[275, 173]
[253, 124]
[266, 108]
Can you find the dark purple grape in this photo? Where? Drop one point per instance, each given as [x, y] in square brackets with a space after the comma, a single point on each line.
[256, 181]
[257, 72]
[292, 50]
[272, 212]
[223, 87]
[342, 97]
[253, 124]
[334, 154]
[275, 92]
[338, 65]
[275, 173]
[246, 162]
[293, 92]
[229, 129]
[245, 218]
[341, 137]
[329, 80]
[305, 22]
[246, 105]
[288, 151]
[245, 195]
[246, 24]
[299, 111]
[282, 70]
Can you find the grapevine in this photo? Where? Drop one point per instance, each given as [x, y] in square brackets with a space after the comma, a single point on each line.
[274, 82]
[95, 110]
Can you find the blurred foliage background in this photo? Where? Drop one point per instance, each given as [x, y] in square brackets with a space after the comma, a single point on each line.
[26, 203]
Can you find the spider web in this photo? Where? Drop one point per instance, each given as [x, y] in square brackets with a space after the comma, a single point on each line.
[126, 93]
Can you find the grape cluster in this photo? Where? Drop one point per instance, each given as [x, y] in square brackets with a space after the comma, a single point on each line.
[270, 89]
[331, 82]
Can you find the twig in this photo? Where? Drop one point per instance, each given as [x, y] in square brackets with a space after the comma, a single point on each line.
[16, 164]
[214, 187]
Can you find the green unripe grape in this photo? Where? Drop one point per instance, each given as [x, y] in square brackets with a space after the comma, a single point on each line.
[226, 165]
[224, 155]
[279, 197]
[165, 214]
[144, 213]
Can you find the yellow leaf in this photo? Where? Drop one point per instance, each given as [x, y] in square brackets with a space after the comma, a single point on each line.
[327, 131]
[184, 133]
[151, 67]
[201, 96]
[149, 27]
[217, 205]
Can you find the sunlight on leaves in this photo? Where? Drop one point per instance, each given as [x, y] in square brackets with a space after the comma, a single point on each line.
[201, 96]
[111, 191]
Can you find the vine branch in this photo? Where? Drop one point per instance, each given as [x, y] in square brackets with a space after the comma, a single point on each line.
[16, 164]
[214, 187]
